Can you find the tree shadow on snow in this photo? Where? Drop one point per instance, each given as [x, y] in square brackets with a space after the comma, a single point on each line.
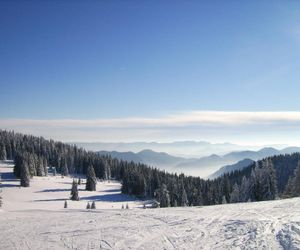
[58, 190]
[110, 198]
[112, 190]
[60, 199]
[54, 190]
[8, 185]
[8, 176]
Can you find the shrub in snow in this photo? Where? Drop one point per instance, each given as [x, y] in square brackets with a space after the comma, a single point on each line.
[88, 206]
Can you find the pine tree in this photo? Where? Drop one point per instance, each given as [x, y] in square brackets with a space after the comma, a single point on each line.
[224, 201]
[127, 206]
[122, 206]
[265, 183]
[31, 163]
[64, 167]
[24, 175]
[66, 204]
[272, 180]
[184, 199]
[74, 191]
[163, 196]
[79, 181]
[245, 189]
[107, 171]
[3, 155]
[88, 206]
[91, 180]
[235, 194]
[175, 203]
[45, 165]
[93, 206]
[1, 201]
[40, 167]
[293, 186]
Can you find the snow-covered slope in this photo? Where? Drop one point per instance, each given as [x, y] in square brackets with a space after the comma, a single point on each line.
[50, 192]
[33, 218]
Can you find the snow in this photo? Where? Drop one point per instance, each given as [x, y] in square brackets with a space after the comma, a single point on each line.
[50, 192]
[34, 218]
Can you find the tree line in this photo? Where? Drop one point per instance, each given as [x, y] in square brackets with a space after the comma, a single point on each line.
[264, 180]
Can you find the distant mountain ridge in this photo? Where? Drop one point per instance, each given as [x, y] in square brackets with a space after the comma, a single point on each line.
[147, 156]
[230, 168]
[202, 166]
[178, 148]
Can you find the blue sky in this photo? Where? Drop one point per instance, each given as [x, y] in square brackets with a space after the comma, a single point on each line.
[87, 60]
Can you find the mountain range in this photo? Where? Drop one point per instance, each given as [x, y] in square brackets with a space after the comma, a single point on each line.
[189, 149]
[205, 166]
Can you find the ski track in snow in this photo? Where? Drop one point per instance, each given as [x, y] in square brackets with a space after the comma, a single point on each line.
[25, 224]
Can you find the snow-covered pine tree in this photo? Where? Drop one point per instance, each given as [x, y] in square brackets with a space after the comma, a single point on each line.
[1, 200]
[24, 174]
[31, 163]
[91, 180]
[74, 191]
[64, 167]
[245, 189]
[40, 167]
[224, 201]
[252, 182]
[175, 203]
[293, 185]
[272, 180]
[163, 196]
[184, 199]
[265, 183]
[235, 194]
[3, 155]
[107, 171]
[45, 165]
[93, 206]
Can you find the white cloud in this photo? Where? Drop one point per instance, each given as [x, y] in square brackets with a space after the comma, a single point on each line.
[209, 125]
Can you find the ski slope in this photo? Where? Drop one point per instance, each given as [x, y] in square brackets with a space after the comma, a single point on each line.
[34, 218]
